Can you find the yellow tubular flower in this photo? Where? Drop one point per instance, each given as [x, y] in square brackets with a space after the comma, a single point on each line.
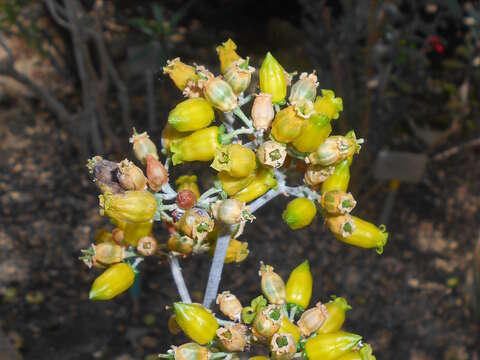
[199, 146]
[232, 185]
[237, 160]
[169, 134]
[272, 79]
[227, 55]
[135, 231]
[340, 178]
[191, 115]
[299, 213]
[188, 182]
[287, 327]
[197, 322]
[328, 104]
[336, 315]
[330, 346]
[112, 282]
[130, 206]
[237, 251]
[299, 285]
[315, 130]
[263, 181]
[364, 353]
[359, 233]
[287, 125]
[180, 73]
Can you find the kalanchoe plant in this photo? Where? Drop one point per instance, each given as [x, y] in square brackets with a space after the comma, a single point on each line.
[287, 132]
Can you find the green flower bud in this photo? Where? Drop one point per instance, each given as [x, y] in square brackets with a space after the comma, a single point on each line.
[197, 322]
[273, 79]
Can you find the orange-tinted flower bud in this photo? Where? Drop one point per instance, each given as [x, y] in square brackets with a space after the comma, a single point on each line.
[179, 72]
[227, 55]
[312, 319]
[188, 182]
[157, 175]
[147, 246]
[195, 223]
[337, 202]
[283, 346]
[273, 286]
[287, 125]
[262, 111]
[233, 338]
[182, 245]
[131, 176]
[272, 153]
[229, 305]
[143, 146]
[185, 199]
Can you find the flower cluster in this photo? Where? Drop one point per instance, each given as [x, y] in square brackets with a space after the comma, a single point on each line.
[278, 320]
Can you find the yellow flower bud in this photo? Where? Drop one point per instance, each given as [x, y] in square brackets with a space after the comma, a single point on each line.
[299, 213]
[262, 111]
[143, 146]
[191, 351]
[233, 338]
[287, 125]
[288, 327]
[147, 246]
[239, 75]
[336, 310]
[180, 245]
[191, 115]
[340, 178]
[195, 223]
[197, 322]
[272, 153]
[267, 322]
[232, 185]
[188, 182]
[364, 353]
[201, 145]
[227, 55]
[131, 206]
[328, 104]
[229, 305]
[237, 160]
[305, 89]
[112, 282]
[272, 79]
[237, 251]
[330, 346]
[282, 346]
[179, 72]
[335, 149]
[133, 232]
[337, 202]
[355, 231]
[315, 130]
[299, 286]
[220, 94]
[312, 319]
[317, 174]
[131, 176]
[264, 180]
[273, 286]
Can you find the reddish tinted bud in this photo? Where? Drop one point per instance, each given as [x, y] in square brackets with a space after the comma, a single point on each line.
[157, 175]
[186, 199]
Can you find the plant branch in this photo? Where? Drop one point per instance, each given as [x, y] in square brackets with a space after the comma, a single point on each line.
[179, 280]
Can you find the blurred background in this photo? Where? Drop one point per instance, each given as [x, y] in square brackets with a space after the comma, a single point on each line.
[75, 76]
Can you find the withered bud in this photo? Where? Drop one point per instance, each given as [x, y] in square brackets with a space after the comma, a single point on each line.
[104, 175]
[267, 322]
[131, 176]
[233, 337]
[230, 306]
[118, 236]
[312, 319]
[180, 245]
[283, 346]
[143, 146]
[342, 225]
[231, 211]
[337, 202]
[272, 153]
[196, 223]
[147, 246]
[316, 174]
[186, 199]
[262, 111]
[157, 175]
